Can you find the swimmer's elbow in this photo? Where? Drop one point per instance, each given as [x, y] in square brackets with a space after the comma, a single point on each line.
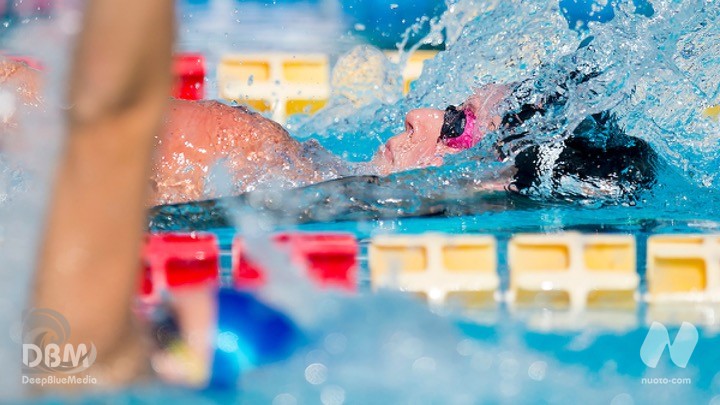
[123, 60]
[90, 106]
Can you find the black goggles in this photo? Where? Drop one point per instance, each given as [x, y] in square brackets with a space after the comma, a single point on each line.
[453, 123]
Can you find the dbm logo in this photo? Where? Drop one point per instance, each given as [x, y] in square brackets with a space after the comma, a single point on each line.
[658, 338]
[45, 347]
[54, 355]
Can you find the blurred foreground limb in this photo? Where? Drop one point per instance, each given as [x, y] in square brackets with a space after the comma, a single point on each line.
[89, 263]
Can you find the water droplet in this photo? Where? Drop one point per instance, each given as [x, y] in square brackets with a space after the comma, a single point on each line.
[537, 370]
[316, 373]
[332, 395]
[623, 399]
[284, 399]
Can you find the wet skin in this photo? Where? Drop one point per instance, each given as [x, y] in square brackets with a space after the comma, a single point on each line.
[420, 144]
[200, 136]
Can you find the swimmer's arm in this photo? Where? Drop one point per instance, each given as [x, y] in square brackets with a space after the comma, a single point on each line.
[89, 261]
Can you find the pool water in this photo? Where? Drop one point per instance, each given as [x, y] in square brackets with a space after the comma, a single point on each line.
[418, 357]
[388, 348]
[469, 357]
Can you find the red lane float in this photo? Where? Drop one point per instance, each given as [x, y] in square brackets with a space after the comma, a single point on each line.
[173, 260]
[189, 73]
[330, 259]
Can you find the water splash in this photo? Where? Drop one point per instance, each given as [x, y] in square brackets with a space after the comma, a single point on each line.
[480, 51]
[657, 74]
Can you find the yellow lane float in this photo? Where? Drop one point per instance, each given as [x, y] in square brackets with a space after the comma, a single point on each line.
[439, 268]
[279, 84]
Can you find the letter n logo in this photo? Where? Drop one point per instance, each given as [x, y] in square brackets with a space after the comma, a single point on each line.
[680, 350]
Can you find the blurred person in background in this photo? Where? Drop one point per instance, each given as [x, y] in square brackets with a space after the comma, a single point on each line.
[88, 266]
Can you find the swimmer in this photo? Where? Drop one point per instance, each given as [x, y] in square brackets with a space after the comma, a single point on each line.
[598, 155]
[596, 160]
